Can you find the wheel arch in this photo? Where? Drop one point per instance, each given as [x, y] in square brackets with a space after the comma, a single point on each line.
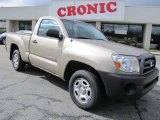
[13, 47]
[74, 66]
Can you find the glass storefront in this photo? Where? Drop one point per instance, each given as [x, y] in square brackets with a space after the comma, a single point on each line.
[92, 23]
[155, 38]
[2, 30]
[25, 25]
[2, 26]
[124, 33]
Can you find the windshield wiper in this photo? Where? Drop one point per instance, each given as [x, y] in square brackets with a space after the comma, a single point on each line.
[101, 39]
[88, 38]
[82, 38]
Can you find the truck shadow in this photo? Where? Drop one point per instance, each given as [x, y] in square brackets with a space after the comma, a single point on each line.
[146, 108]
[110, 108]
[31, 70]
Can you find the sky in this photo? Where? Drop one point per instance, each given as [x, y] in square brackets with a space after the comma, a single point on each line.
[47, 2]
[24, 2]
[143, 2]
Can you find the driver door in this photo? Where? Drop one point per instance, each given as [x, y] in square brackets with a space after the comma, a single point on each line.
[45, 51]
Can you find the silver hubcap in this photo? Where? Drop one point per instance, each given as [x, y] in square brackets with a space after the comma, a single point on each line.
[82, 90]
[15, 60]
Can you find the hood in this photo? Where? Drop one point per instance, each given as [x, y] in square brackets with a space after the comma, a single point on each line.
[116, 47]
[124, 49]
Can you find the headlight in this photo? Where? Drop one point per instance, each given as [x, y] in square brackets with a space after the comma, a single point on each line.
[128, 64]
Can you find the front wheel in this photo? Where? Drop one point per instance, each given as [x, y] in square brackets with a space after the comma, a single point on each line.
[85, 89]
[17, 61]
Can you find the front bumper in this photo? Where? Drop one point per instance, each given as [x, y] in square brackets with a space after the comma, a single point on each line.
[129, 87]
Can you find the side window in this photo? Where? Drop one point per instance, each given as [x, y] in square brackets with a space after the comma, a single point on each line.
[46, 25]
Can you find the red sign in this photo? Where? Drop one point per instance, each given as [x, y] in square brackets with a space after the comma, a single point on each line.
[109, 7]
[89, 9]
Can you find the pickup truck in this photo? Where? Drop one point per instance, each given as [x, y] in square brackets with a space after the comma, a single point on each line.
[81, 55]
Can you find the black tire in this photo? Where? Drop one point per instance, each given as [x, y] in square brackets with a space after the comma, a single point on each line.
[20, 63]
[94, 85]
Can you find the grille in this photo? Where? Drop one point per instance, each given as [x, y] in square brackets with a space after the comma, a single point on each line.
[149, 64]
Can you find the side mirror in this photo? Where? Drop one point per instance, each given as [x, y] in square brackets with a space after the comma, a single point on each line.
[55, 34]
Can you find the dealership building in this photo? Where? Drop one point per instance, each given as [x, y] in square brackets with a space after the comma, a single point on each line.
[133, 25]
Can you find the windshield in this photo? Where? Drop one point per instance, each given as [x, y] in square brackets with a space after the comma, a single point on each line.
[80, 30]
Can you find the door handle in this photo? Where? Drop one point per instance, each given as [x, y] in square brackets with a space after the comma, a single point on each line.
[34, 41]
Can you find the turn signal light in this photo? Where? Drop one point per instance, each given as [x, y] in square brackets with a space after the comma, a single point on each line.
[117, 64]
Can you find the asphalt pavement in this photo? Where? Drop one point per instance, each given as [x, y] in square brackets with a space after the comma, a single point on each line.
[36, 95]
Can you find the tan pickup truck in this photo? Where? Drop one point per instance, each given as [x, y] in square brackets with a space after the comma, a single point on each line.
[80, 54]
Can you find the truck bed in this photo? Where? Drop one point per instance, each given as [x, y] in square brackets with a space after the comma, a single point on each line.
[20, 39]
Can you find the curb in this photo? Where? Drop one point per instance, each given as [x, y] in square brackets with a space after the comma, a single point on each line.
[155, 53]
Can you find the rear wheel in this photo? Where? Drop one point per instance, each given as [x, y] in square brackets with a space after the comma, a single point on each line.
[84, 89]
[17, 61]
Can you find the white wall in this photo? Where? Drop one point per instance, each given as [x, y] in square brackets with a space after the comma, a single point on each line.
[140, 15]
[15, 26]
[147, 36]
[143, 15]
[2, 24]
[23, 13]
[9, 26]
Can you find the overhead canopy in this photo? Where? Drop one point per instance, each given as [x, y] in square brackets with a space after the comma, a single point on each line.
[143, 2]
[20, 3]
[112, 13]
[23, 13]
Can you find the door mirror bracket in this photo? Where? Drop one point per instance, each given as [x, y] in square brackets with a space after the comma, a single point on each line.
[61, 37]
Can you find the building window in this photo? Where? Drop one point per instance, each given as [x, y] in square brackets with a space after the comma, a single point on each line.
[135, 32]
[2, 21]
[25, 25]
[155, 38]
[2, 26]
[120, 31]
[108, 30]
[124, 33]
[92, 23]
[2, 30]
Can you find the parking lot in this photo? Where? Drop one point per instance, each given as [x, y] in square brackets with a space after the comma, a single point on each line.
[36, 95]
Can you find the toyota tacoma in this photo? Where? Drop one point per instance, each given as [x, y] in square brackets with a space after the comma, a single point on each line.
[80, 54]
